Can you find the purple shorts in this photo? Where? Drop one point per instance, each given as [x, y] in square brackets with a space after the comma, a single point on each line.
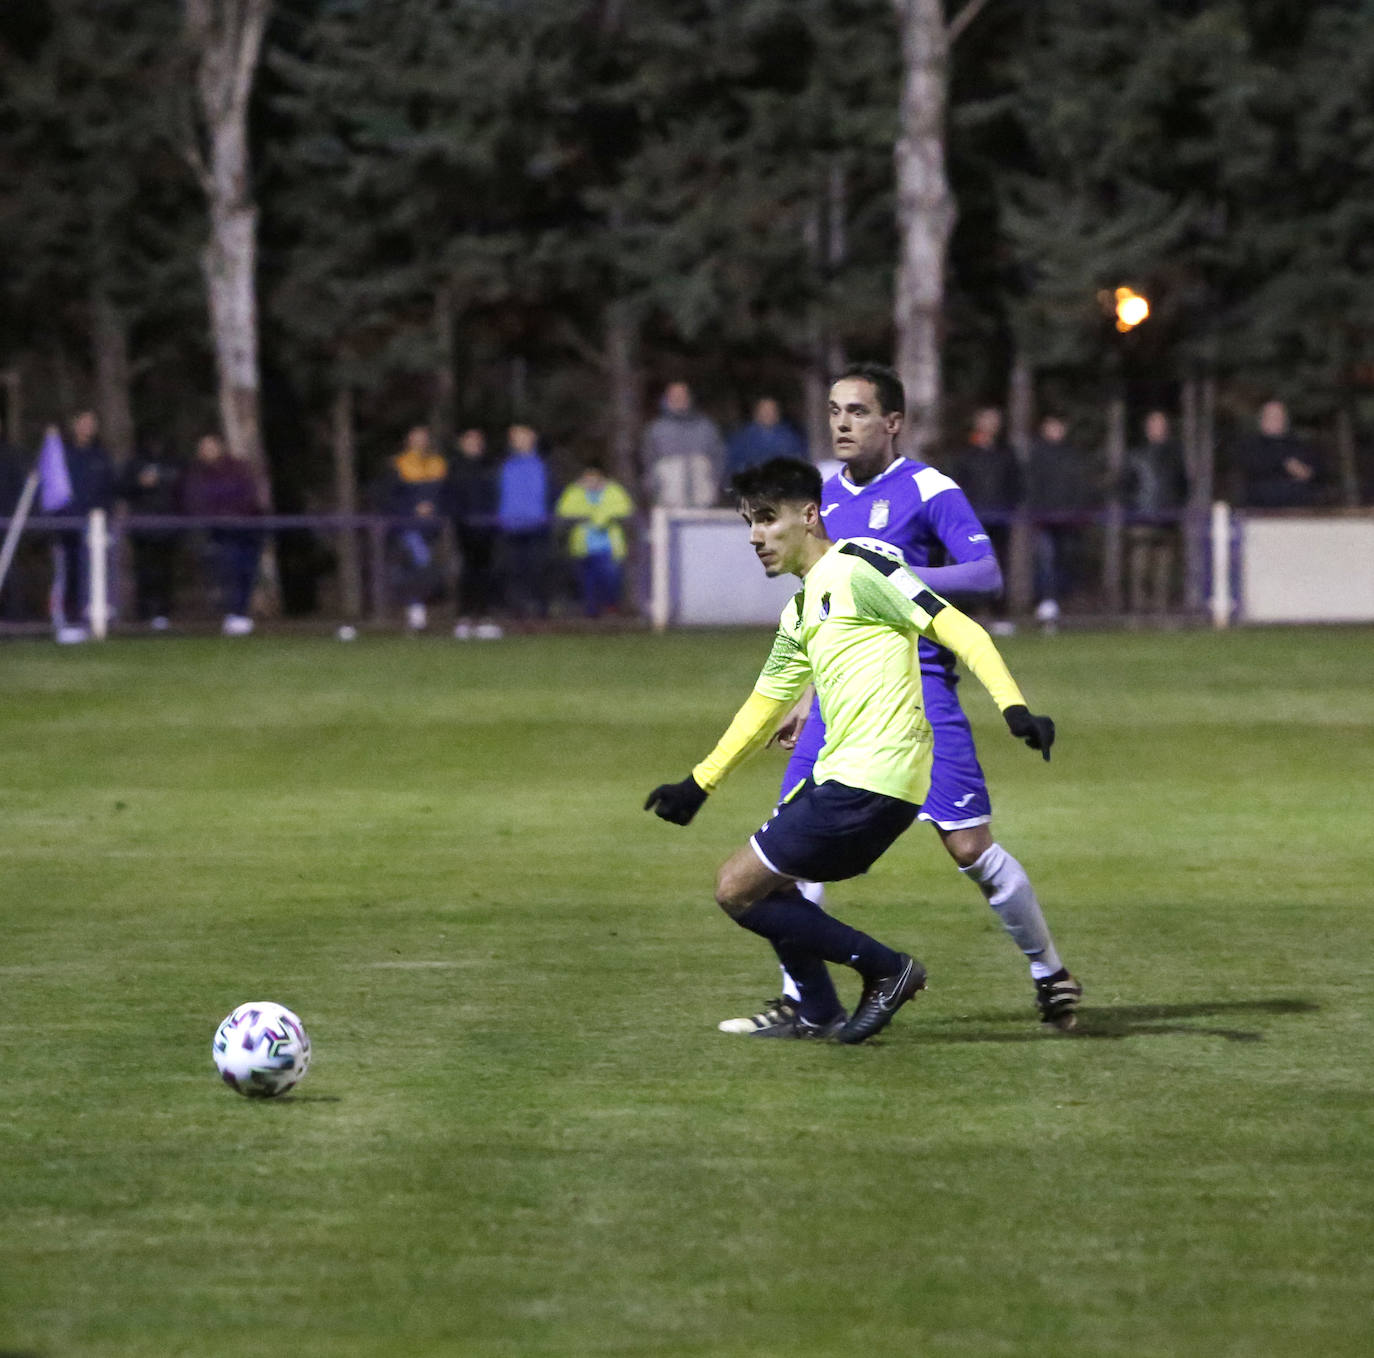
[958, 796]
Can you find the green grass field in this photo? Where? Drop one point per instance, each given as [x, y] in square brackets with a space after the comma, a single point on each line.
[522, 1133]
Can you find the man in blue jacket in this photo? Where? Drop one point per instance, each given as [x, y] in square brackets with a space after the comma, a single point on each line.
[523, 513]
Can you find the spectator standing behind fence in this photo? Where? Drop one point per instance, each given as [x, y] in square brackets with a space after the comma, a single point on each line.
[417, 488]
[682, 453]
[766, 436]
[151, 485]
[1063, 484]
[1153, 490]
[219, 484]
[1272, 469]
[523, 516]
[986, 470]
[75, 477]
[596, 508]
[475, 496]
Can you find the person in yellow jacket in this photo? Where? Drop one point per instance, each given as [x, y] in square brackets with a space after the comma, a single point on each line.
[596, 508]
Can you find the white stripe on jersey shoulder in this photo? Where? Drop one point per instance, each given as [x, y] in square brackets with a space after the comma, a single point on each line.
[906, 580]
[931, 481]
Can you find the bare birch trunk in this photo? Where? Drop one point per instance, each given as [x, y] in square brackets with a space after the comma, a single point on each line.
[925, 215]
[225, 39]
[110, 355]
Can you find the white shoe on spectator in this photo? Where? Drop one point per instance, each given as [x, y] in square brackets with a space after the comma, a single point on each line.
[160, 624]
[462, 630]
[1047, 610]
[417, 617]
[236, 625]
[488, 631]
[1002, 627]
[72, 636]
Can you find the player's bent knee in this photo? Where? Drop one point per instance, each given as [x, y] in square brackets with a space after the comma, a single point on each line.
[732, 892]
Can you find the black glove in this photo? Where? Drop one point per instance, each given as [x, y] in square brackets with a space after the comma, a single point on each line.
[1037, 732]
[677, 802]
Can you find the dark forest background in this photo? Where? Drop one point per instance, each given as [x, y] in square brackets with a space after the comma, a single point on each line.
[472, 211]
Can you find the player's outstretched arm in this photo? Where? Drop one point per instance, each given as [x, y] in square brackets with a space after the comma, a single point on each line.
[749, 731]
[975, 648]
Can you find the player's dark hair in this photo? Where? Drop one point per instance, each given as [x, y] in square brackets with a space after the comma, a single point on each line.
[891, 392]
[777, 480]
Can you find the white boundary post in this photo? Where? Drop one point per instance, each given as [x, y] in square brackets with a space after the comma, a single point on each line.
[98, 546]
[660, 574]
[1221, 601]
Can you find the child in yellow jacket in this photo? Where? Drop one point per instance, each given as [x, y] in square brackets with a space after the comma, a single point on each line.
[596, 508]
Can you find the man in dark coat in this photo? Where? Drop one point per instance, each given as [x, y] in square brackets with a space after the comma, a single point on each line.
[151, 485]
[1272, 468]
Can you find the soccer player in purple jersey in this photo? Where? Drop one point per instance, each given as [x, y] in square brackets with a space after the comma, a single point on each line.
[915, 507]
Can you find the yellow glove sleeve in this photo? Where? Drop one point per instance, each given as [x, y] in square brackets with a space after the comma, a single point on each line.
[974, 647]
[750, 730]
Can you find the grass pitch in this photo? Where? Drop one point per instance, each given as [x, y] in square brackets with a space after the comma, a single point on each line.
[522, 1133]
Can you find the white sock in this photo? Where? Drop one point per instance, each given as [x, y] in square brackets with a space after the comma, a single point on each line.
[1008, 890]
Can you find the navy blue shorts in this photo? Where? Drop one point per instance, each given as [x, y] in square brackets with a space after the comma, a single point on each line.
[828, 831]
[958, 796]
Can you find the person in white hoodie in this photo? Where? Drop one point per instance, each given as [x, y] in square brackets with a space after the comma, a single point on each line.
[684, 454]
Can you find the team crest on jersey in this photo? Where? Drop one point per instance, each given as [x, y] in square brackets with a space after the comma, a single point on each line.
[825, 606]
[878, 514]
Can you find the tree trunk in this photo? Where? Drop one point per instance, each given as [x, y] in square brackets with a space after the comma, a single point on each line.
[1199, 451]
[1112, 531]
[1021, 540]
[925, 215]
[225, 38]
[622, 382]
[442, 411]
[110, 355]
[346, 502]
[827, 237]
[13, 428]
[1346, 462]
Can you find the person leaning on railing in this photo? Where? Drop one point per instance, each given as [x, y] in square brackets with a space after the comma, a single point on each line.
[221, 485]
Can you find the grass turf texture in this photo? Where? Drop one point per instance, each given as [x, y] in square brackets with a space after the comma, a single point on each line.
[522, 1133]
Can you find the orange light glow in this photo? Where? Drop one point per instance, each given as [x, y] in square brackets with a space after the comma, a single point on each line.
[1131, 309]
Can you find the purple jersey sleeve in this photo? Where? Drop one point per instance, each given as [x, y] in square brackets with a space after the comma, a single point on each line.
[952, 520]
[979, 576]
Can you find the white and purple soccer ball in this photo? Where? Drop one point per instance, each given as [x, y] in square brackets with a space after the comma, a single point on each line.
[261, 1050]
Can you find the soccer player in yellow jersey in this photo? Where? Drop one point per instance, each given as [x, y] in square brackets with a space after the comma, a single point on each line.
[851, 630]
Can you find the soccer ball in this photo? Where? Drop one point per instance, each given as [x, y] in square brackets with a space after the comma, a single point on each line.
[261, 1050]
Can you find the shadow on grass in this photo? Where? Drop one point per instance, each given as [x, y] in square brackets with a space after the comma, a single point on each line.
[1120, 1020]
